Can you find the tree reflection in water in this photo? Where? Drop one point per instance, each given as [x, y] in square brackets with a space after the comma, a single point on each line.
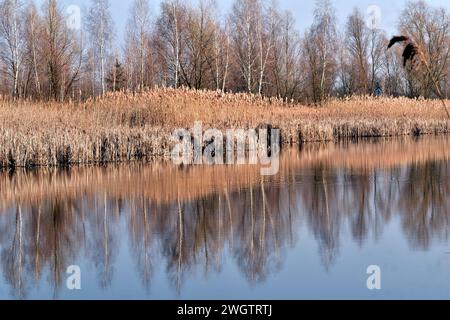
[253, 221]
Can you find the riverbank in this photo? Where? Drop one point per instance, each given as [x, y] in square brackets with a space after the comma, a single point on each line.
[125, 127]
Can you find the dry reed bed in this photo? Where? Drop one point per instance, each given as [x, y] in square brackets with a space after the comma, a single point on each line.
[164, 183]
[124, 127]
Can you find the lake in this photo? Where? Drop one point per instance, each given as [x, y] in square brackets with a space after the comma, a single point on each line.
[225, 232]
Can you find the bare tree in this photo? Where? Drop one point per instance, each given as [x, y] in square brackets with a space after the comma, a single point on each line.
[286, 72]
[377, 49]
[100, 27]
[357, 36]
[33, 30]
[320, 47]
[430, 29]
[255, 48]
[61, 52]
[170, 29]
[346, 81]
[221, 56]
[12, 40]
[393, 74]
[199, 50]
[244, 24]
[266, 25]
[325, 26]
[138, 36]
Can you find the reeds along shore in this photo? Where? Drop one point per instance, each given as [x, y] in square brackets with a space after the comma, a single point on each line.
[123, 127]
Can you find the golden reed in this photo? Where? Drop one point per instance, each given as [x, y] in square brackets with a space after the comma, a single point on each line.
[123, 127]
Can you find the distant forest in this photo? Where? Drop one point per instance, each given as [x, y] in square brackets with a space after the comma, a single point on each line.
[254, 48]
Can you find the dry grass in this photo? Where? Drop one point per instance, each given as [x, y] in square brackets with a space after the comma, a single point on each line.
[125, 127]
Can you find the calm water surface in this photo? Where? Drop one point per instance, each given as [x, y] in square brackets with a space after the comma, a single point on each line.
[160, 232]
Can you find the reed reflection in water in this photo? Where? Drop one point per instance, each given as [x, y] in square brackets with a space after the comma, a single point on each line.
[185, 226]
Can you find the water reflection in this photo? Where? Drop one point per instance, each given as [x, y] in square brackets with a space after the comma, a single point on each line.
[197, 219]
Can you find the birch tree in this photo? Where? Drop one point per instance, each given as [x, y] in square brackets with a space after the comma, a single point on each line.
[377, 48]
[170, 36]
[100, 28]
[320, 48]
[12, 40]
[221, 56]
[244, 28]
[138, 37]
[33, 30]
[266, 23]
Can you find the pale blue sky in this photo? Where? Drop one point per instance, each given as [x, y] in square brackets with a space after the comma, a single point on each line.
[301, 9]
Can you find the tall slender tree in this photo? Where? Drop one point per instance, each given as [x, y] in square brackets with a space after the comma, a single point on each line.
[12, 40]
[100, 27]
[33, 31]
[139, 31]
[170, 28]
[320, 47]
[61, 52]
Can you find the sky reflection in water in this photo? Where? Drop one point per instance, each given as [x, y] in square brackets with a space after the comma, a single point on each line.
[158, 232]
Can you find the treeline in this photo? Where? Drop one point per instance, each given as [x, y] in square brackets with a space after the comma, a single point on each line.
[255, 48]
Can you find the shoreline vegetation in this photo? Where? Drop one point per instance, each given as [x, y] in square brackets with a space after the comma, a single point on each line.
[125, 127]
